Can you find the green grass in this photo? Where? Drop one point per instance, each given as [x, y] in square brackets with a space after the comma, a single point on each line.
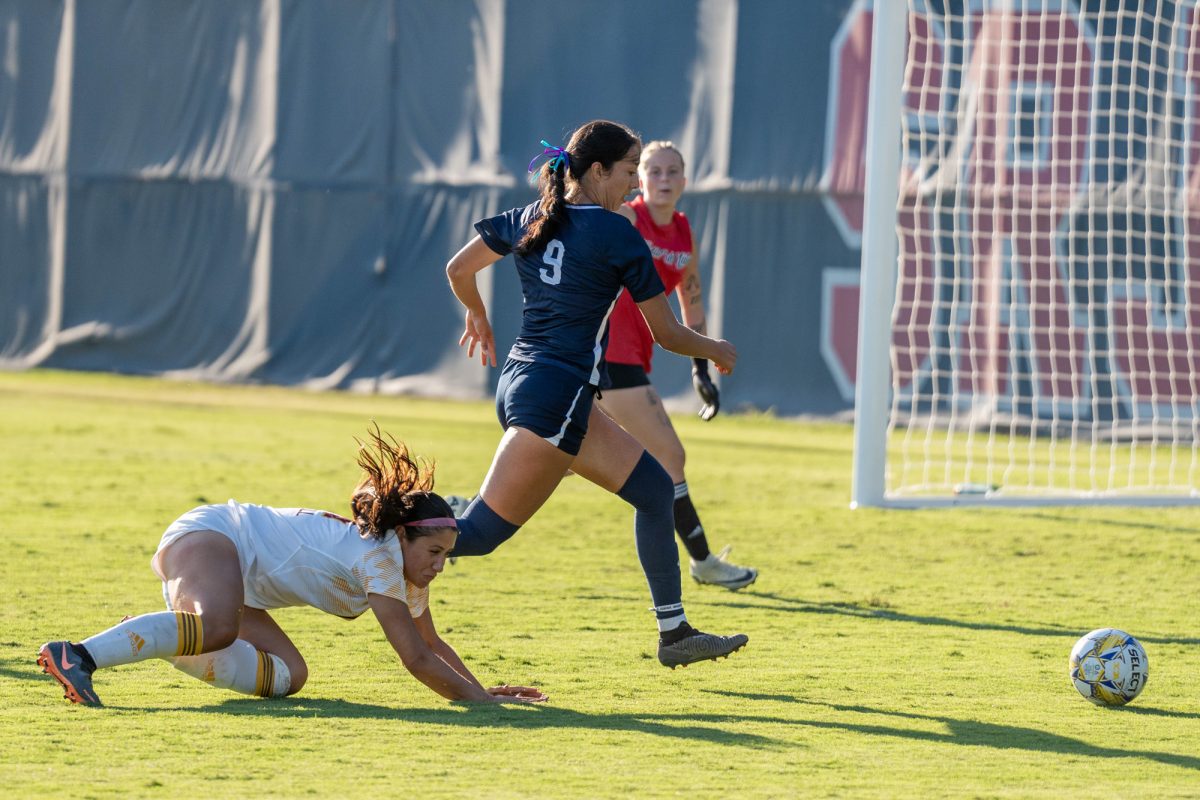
[891, 654]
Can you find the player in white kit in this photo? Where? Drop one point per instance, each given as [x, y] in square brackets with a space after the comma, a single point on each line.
[224, 567]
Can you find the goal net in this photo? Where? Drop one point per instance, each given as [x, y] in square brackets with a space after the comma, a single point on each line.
[1034, 193]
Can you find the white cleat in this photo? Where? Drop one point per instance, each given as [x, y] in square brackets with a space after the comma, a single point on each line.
[458, 504]
[716, 571]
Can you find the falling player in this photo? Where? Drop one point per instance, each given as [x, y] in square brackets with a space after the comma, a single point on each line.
[224, 567]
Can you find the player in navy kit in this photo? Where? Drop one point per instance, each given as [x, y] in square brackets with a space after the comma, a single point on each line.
[574, 255]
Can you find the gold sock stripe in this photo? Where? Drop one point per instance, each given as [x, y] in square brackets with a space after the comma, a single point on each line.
[181, 623]
[191, 634]
[258, 677]
[266, 675]
[198, 621]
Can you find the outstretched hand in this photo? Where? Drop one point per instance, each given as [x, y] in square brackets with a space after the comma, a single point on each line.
[517, 694]
[478, 331]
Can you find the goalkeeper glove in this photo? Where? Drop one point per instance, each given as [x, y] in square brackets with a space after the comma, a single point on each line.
[706, 389]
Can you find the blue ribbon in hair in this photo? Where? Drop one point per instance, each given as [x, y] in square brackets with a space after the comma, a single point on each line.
[558, 155]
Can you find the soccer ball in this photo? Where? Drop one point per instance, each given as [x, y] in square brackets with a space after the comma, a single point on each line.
[1109, 667]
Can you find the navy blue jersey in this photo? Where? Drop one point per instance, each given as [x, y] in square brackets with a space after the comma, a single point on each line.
[571, 285]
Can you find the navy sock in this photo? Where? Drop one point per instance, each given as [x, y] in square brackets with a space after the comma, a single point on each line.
[650, 491]
[673, 636]
[481, 530]
[687, 524]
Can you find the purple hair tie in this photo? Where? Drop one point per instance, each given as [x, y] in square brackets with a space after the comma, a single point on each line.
[560, 156]
[434, 522]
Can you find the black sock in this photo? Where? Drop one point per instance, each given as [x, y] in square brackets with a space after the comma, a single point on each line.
[675, 634]
[85, 657]
[691, 532]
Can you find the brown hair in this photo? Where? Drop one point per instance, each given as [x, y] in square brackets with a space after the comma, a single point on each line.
[599, 141]
[396, 489]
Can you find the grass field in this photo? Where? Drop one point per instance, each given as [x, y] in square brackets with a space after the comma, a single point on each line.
[892, 654]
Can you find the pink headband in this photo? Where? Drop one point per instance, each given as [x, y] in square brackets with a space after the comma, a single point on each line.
[435, 522]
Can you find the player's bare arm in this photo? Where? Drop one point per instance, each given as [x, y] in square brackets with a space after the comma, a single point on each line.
[442, 649]
[677, 338]
[474, 257]
[691, 295]
[425, 665]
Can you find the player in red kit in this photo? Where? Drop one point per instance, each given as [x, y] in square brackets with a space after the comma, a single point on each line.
[628, 396]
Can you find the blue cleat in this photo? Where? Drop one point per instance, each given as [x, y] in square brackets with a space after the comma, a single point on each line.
[65, 663]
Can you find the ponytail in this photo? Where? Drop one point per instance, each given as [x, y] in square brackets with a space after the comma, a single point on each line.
[599, 141]
[395, 491]
[552, 186]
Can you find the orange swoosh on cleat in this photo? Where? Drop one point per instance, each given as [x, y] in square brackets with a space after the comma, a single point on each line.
[67, 664]
[47, 662]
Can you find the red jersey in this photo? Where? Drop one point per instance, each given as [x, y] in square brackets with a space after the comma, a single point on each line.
[629, 339]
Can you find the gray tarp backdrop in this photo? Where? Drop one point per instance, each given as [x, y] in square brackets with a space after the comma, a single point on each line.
[269, 190]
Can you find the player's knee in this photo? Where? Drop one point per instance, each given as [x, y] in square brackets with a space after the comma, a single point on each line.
[483, 545]
[659, 481]
[219, 633]
[298, 672]
[648, 487]
[481, 530]
[674, 460]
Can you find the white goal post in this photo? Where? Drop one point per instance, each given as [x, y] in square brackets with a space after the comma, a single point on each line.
[1029, 320]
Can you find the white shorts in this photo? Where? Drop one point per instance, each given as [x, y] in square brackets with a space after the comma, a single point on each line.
[302, 557]
[205, 518]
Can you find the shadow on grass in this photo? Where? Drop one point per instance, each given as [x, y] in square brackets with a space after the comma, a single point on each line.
[771, 698]
[1149, 711]
[796, 605]
[517, 717]
[714, 728]
[972, 733]
[21, 669]
[1118, 523]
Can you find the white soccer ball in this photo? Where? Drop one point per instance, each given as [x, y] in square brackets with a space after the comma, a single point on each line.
[1109, 667]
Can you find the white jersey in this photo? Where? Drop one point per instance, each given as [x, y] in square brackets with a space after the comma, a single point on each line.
[304, 557]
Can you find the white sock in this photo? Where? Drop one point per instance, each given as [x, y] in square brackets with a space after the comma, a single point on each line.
[672, 622]
[163, 634]
[239, 667]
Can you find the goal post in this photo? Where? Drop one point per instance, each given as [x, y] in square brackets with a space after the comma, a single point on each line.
[1029, 321]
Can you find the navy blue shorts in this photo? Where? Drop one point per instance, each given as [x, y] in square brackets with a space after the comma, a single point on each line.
[546, 399]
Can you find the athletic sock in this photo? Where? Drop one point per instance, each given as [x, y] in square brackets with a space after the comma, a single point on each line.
[481, 530]
[687, 524]
[672, 636]
[89, 663]
[648, 490]
[240, 667]
[163, 634]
